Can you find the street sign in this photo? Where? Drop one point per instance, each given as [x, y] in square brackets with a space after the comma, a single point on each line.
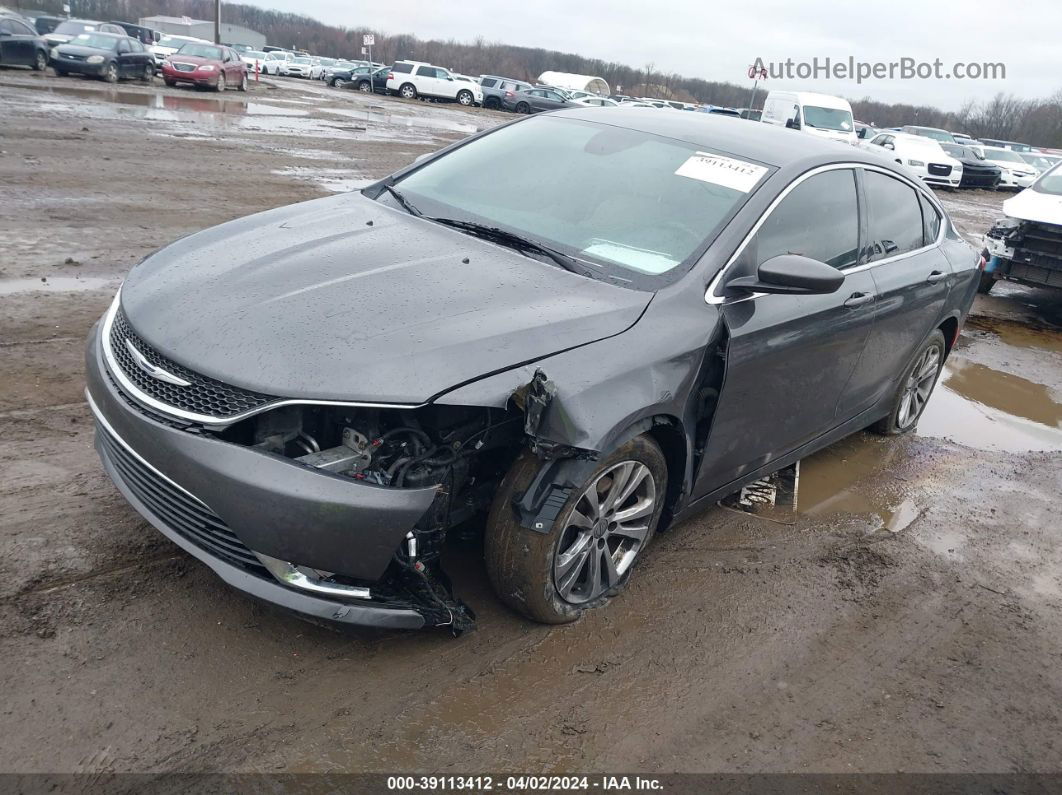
[368, 39]
[364, 50]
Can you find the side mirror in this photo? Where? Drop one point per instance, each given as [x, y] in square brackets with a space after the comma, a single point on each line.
[793, 124]
[890, 146]
[791, 274]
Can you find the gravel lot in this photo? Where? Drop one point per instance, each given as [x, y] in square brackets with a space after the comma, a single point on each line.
[907, 617]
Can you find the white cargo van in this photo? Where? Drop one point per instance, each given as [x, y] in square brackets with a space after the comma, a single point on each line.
[818, 114]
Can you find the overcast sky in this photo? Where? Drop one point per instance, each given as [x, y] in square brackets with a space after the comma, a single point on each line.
[698, 38]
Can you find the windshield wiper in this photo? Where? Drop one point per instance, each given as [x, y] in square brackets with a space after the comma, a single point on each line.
[406, 204]
[509, 239]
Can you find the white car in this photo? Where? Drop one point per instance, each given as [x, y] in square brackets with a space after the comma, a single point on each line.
[274, 60]
[920, 155]
[255, 60]
[1016, 173]
[595, 101]
[168, 45]
[412, 79]
[320, 67]
[302, 66]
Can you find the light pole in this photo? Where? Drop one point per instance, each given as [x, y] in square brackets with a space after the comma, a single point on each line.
[756, 74]
[217, 21]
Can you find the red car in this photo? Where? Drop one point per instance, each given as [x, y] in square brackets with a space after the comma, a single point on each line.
[212, 65]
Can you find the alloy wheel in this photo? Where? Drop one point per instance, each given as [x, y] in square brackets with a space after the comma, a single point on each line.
[221, 82]
[41, 62]
[918, 388]
[605, 532]
[364, 87]
[464, 98]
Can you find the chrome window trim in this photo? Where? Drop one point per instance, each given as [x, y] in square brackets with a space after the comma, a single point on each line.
[205, 419]
[711, 298]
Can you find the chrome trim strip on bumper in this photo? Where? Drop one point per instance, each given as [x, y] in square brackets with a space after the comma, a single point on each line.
[284, 572]
[290, 574]
[205, 419]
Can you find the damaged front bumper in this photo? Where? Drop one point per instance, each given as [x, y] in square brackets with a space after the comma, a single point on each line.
[303, 539]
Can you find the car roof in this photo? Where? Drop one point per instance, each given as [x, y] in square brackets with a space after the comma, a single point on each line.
[766, 143]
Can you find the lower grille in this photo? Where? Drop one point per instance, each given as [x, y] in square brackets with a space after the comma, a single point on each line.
[939, 170]
[182, 513]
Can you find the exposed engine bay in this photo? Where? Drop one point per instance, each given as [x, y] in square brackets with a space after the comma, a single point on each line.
[463, 451]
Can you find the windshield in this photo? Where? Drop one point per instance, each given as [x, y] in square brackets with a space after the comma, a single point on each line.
[301, 60]
[201, 51]
[954, 150]
[101, 41]
[936, 135]
[1050, 182]
[73, 28]
[827, 118]
[1004, 155]
[620, 201]
[170, 41]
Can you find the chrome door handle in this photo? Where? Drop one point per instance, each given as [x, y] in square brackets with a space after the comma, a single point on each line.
[936, 276]
[859, 299]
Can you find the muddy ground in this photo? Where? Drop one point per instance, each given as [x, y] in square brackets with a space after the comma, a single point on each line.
[907, 617]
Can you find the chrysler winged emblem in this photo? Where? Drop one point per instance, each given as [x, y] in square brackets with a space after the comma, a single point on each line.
[152, 369]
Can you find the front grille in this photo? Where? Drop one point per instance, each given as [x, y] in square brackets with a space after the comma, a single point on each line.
[939, 169]
[73, 57]
[1041, 245]
[183, 67]
[205, 396]
[183, 514]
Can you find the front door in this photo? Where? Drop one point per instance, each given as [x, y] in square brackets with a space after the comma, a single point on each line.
[790, 357]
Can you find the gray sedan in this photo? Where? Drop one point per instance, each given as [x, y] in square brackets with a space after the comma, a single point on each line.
[648, 312]
[534, 100]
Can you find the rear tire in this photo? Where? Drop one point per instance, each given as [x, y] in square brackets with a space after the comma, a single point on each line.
[40, 61]
[915, 388]
[243, 83]
[148, 74]
[465, 98]
[523, 565]
[491, 103]
[407, 91]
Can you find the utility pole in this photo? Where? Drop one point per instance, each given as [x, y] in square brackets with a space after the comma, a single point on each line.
[217, 21]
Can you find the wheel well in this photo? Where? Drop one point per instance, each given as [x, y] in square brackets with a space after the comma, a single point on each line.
[949, 328]
[667, 433]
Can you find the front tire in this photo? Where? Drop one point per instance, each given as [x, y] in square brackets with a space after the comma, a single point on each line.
[365, 87]
[587, 556]
[916, 385]
[523, 107]
[110, 74]
[465, 98]
[220, 85]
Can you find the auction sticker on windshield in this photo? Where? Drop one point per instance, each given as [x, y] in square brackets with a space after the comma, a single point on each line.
[725, 171]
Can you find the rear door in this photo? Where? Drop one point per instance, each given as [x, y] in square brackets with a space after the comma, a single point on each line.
[426, 81]
[790, 357]
[911, 274]
[18, 43]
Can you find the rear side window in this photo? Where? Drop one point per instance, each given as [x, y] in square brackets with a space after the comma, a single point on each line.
[818, 219]
[930, 221]
[894, 216]
[488, 82]
[404, 68]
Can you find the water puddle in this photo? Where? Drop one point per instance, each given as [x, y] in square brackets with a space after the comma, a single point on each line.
[1017, 335]
[977, 406]
[56, 284]
[376, 115]
[193, 103]
[338, 180]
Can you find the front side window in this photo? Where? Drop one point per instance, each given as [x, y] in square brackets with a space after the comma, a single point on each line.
[894, 216]
[623, 202]
[819, 219]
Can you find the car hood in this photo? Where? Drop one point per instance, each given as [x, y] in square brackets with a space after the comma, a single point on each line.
[346, 299]
[196, 59]
[77, 49]
[1031, 205]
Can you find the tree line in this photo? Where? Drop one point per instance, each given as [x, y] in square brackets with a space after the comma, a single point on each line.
[1034, 121]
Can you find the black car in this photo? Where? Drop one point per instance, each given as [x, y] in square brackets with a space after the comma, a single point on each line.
[107, 56]
[21, 45]
[536, 100]
[977, 172]
[367, 79]
[649, 311]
